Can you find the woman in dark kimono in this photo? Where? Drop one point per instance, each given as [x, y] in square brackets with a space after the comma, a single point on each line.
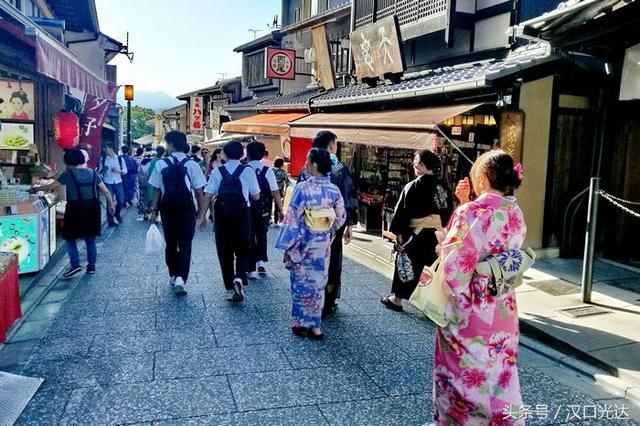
[82, 217]
[424, 207]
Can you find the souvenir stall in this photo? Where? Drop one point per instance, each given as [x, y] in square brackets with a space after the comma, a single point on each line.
[27, 214]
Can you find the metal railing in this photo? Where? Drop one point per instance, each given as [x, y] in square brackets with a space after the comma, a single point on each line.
[407, 11]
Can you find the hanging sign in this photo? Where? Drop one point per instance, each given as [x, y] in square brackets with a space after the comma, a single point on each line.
[323, 71]
[280, 63]
[376, 49]
[512, 133]
[93, 116]
[17, 100]
[196, 114]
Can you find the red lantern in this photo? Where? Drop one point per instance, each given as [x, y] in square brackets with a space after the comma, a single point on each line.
[66, 126]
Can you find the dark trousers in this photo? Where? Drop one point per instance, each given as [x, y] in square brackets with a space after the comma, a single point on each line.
[334, 283]
[422, 252]
[179, 229]
[117, 192]
[233, 242]
[259, 230]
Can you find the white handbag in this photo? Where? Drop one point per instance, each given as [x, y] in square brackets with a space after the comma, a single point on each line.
[429, 297]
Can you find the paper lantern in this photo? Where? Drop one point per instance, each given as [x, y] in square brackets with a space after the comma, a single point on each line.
[66, 127]
[128, 92]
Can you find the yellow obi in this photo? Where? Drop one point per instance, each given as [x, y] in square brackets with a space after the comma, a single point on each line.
[319, 220]
[429, 222]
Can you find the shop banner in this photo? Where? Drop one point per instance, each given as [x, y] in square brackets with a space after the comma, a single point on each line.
[93, 115]
[377, 49]
[280, 63]
[196, 114]
[512, 133]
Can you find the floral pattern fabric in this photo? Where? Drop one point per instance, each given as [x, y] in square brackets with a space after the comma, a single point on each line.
[307, 252]
[475, 375]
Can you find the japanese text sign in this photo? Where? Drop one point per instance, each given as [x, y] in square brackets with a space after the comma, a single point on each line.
[376, 49]
[91, 121]
[324, 67]
[280, 63]
[196, 114]
[512, 134]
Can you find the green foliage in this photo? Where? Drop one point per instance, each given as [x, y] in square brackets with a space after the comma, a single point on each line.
[139, 117]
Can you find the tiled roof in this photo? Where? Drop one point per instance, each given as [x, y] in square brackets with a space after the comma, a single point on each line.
[293, 101]
[449, 79]
[78, 15]
[247, 105]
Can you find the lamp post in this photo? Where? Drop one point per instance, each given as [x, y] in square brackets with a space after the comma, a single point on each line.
[128, 96]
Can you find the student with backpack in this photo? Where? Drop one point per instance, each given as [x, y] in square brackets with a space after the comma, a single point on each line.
[129, 180]
[233, 186]
[112, 168]
[261, 209]
[175, 179]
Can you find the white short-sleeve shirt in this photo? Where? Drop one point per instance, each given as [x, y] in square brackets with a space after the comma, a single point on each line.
[248, 180]
[109, 176]
[194, 180]
[270, 175]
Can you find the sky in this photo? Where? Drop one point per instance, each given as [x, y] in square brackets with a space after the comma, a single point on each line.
[182, 45]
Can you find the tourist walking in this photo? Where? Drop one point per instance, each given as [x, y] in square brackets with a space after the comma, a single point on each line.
[314, 215]
[475, 375]
[424, 208]
[144, 201]
[233, 186]
[175, 179]
[112, 168]
[261, 209]
[82, 216]
[282, 178]
[217, 159]
[130, 180]
[341, 177]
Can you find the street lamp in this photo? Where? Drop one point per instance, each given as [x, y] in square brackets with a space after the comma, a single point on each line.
[128, 96]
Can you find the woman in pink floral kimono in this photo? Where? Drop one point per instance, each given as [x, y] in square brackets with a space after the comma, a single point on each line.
[475, 375]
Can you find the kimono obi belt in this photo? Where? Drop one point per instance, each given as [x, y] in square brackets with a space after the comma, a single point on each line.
[319, 220]
[429, 222]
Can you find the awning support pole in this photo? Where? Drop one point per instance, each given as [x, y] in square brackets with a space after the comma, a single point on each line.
[439, 130]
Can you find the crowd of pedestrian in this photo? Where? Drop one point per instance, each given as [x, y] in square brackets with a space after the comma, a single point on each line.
[241, 192]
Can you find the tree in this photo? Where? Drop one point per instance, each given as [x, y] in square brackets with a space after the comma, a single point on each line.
[139, 118]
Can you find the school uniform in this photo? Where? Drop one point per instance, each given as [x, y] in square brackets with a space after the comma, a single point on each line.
[260, 219]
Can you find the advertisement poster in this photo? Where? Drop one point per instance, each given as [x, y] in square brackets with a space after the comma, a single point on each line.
[16, 100]
[196, 114]
[16, 136]
[19, 235]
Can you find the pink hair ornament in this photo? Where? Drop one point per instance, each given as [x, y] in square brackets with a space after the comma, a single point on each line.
[518, 170]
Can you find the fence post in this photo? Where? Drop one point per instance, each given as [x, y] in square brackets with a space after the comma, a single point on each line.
[590, 240]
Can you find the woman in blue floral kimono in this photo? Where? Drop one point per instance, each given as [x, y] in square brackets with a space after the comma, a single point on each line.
[315, 212]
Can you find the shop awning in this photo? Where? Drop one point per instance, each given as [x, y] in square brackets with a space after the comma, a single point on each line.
[263, 124]
[408, 128]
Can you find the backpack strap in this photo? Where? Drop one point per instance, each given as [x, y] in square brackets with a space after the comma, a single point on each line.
[238, 171]
[264, 171]
[223, 171]
[120, 162]
[183, 163]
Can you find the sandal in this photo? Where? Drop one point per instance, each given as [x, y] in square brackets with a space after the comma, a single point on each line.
[313, 336]
[390, 305]
[299, 330]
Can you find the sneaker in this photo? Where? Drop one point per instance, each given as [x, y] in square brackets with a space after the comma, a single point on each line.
[179, 287]
[262, 270]
[253, 276]
[172, 281]
[91, 270]
[72, 272]
[238, 291]
[140, 219]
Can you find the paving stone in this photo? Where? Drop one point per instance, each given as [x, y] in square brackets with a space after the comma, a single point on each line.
[400, 411]
[74, 371]
[131, 306]
[249, 333]
[299, 416]
[51, 348]
[18, 352]
[301, 387]
[417, 346]
[218, 361]
[30, 330]
[150, 401]
[45, 312]
[153, 340]
[402, 378]
[103, 325]
[45, 408]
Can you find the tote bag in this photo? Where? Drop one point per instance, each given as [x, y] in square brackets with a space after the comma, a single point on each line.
[429, 296]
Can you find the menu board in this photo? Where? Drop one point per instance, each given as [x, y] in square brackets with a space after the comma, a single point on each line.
[17, 136]
[17, 100]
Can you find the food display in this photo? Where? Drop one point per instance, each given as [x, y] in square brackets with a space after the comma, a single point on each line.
[17, 136]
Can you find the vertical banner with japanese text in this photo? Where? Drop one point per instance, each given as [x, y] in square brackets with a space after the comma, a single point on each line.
[93, 115]
[196, 115]
[512, 133]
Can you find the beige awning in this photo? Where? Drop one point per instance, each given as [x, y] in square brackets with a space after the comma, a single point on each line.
[275, 124]
[406, 128]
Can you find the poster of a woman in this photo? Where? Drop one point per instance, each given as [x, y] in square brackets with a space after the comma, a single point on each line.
[17, 100]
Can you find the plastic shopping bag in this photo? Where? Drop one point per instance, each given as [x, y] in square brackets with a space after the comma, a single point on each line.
[154, 244]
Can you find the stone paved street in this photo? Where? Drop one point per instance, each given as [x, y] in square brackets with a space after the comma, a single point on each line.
[123, 349]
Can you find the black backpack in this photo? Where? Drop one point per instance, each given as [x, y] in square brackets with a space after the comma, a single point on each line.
[263, 205]
[176, 193]
[103, 161]
[230, 202]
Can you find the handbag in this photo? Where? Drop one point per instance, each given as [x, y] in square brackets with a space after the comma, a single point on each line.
[404, 267]
[506, 269]
[429, 296]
